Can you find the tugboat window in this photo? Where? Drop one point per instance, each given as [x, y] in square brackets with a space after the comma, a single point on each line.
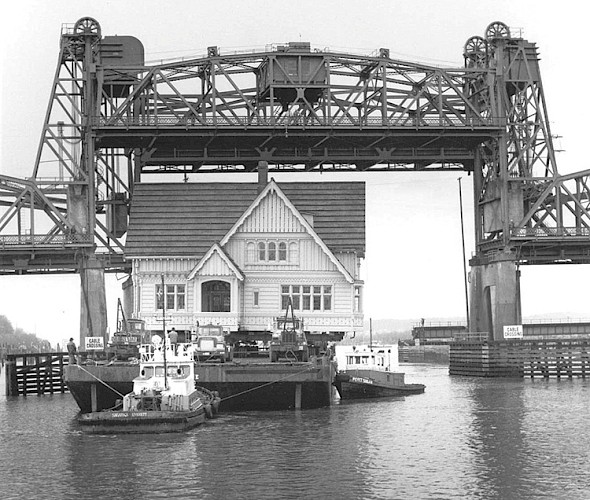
[215, 296]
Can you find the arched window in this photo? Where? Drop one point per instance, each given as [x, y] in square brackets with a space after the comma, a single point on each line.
[272, 251]
[293, 253]
[261, 251]
[250, 252]
[215, 296]
[282, 251]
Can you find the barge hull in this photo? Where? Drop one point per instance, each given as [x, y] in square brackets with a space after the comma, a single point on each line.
[258, 386]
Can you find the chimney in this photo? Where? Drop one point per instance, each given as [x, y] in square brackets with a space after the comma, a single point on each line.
[262, 175]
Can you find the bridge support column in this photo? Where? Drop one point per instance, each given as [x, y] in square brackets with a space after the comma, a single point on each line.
[93, 310]
[495, 296]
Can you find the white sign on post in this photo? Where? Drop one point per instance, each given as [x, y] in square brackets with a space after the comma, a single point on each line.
[513, 331]
[94, 343]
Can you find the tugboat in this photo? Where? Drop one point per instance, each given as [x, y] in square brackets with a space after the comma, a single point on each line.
[366, 373]
[164, 397]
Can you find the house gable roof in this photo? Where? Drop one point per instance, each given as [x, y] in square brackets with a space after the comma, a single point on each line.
[186, 219]
[272, 187]
[216, 253]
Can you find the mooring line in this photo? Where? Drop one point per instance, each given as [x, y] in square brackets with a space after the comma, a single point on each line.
[267, 383]
[101, 381]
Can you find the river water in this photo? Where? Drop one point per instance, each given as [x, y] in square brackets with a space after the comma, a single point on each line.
[463, 438]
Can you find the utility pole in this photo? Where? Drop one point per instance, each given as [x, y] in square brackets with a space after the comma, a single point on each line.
[464, 260]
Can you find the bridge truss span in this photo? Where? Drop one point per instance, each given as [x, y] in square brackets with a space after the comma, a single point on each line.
[296, 108]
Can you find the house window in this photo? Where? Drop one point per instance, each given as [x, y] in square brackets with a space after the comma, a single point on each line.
[327, 298]
[317, 298]
[307, 298]
[215, 296]
[293, 252]
[357, 299]
[296, 296]
[261, 251]
[282, 251]
[272, 251]
[180, 296]
[175, 297]
[159, 297]
[251, 252]
[256, 298]
[170, 298]
[285, 293]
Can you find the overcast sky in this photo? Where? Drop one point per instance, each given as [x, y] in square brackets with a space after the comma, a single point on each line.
[413, 267]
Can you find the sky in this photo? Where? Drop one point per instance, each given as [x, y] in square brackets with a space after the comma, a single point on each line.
[413, 266]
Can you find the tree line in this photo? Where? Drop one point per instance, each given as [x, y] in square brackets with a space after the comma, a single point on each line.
[15, 340]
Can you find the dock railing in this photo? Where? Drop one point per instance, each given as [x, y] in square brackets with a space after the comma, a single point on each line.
[471, 336]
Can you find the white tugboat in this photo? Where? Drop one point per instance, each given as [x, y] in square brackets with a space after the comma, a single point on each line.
[164, 397]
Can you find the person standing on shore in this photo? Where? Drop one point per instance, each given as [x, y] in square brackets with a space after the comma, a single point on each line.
[72, 352]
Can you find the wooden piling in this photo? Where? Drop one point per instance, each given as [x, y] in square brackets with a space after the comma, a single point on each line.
[36, 373]
[515, 358]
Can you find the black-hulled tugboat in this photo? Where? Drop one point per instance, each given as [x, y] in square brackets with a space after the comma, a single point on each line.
[366, 372]
[164, 397]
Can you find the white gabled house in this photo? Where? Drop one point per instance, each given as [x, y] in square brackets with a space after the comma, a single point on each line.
[233, 254]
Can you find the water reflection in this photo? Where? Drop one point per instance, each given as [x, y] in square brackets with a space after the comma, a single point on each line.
[497, 440]
[286, 455]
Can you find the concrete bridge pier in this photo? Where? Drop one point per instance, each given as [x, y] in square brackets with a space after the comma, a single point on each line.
[495, 295]
[93, 310]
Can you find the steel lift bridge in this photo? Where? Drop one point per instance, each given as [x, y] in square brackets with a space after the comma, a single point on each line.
[111, 119]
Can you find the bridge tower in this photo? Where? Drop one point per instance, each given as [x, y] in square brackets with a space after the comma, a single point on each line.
[68, 217]
[512, 225]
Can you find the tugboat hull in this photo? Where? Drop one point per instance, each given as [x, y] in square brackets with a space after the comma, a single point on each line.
[373, 384]
[138, 422]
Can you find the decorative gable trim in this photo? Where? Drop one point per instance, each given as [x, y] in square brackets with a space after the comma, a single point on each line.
[216, 252]
[272, 187]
